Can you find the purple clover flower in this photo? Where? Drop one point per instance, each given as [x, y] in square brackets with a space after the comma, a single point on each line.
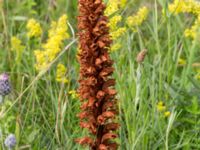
[10, 141]
[4, 76]
[5, 86]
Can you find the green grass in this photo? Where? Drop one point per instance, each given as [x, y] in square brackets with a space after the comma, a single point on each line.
[42, 114]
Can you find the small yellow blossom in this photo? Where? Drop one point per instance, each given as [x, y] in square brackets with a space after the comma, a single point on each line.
[115, 47]
[16, 44]
[160, 103]
[112, 7]
[73, 93]
[56, 35]
[115, 30]
[185, 6]
[123, 3]
[167, 113]
[17, 47]
[181, 62]
[188, 6]
[177, 6]
[34, 28]
[194, 30]
[61, 74]
[138, 18]
[119, 32]
[161, 106]
[42, 60]
[114, 21]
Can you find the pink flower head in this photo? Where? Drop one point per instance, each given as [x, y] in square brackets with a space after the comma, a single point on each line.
[4, 76]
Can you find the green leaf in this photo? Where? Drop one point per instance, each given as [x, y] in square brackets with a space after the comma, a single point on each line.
[32, 136]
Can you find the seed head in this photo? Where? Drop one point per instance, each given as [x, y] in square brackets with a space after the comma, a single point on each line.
[141, 56]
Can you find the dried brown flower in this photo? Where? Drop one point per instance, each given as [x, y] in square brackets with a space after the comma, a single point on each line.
[96, 85]
[141, 56]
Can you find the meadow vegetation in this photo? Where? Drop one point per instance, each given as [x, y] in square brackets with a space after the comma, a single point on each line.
[158, 95]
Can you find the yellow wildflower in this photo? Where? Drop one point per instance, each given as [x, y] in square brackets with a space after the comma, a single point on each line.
[123, 3]
[194, 30]
[161, 106]
[73, 93]
[181, 62]
[184, 6]
[16, 46]
[112, 7]
[115, 47]
[119, 32]
[34, 28]
[138, 18]
[41, 59]
[56, 35]
[61, 74]
[177, 6]
[187, 6]
[114, 21]
[167, 113]
[160, 103]
[115, 31]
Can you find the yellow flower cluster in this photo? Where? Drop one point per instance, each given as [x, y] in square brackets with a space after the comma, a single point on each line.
[138, 18]
[115, 47]
[61, 74]
[161, 107]
[34, 28]
[17, 47]
[56, 35]
[114, 21]
[187, 6]
[114, 5]
[115, 31]
[16, 44]
[167, 113]
[123, 3]
[119, 32]
[73, 94]
[194, 30]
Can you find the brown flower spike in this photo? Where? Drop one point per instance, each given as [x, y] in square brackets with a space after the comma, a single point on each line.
[99, 106]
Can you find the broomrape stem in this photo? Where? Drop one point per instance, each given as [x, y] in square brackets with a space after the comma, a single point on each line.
[96, 91]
